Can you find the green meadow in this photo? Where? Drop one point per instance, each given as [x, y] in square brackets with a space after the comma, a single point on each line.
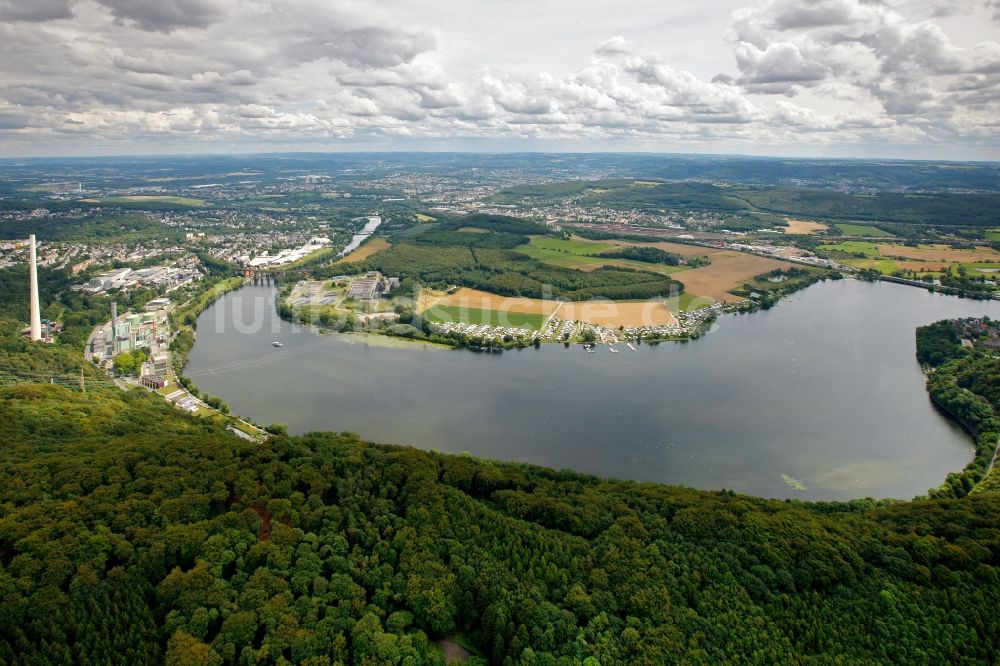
[463, 315]
[862, 230]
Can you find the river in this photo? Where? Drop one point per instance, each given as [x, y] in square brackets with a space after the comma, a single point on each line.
[358, 238]
[824, 389]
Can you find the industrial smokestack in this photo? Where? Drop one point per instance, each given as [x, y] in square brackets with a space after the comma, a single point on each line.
[36, 315]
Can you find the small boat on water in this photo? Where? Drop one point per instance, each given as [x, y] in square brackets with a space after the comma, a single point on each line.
[613, 350]
[590, 351]
[277, 344]
[629, 345]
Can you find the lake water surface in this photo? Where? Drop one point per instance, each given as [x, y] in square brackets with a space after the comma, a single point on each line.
[823, 388]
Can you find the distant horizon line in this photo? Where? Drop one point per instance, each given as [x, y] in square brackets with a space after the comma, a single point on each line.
[398, 151]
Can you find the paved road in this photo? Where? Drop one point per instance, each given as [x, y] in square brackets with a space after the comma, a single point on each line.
[100, 327]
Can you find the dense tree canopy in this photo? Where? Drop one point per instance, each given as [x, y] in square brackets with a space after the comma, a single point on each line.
[965, 383]
[128, 530]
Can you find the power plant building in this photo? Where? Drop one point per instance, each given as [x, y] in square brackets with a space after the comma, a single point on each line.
[126, 332]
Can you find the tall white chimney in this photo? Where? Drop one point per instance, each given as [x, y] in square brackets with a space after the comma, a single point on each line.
[36, 316]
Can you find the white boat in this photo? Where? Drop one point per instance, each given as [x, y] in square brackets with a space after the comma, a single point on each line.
[590, 351]
[277, 344]
[629, 345]
[613, 350]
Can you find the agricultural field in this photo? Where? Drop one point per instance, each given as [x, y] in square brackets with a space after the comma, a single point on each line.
[864, 230]
[474, 299]
[993, 235]
[728, 271]
[613, 314]
[154, 199]
[366, 250]
[939, 253]
[421, 217]
[465, 315]
[889, 258]
[804, 227]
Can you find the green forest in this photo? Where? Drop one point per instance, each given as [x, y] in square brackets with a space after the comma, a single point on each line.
[965, 383]
[132, 533]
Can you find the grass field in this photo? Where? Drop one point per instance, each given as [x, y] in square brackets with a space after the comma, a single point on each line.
[728, 271]
[577, 253]
[993, 235]
[577, 246]
[366, 250]
[567, 253]
[465, 315]
[180, 201]
[883, 266]
[888, 258]
[853, 247]
[987, 268]
[687, 302]
[865, 230]
[424, 218]
[804, 227]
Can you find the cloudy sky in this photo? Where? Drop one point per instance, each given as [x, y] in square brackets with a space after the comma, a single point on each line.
[894, 78]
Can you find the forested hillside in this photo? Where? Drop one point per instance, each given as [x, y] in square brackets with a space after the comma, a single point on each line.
[966, 384]
[130, 533]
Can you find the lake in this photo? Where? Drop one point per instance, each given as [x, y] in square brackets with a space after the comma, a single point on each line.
[824, 388]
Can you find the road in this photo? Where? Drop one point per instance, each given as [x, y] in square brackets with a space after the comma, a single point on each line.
[100, 327]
